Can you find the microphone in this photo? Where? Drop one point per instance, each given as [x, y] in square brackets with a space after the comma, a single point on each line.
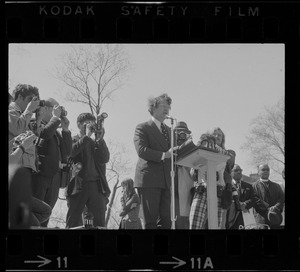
[170, 117]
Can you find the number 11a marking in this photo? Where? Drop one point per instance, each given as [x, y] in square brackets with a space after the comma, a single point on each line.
[65, 262]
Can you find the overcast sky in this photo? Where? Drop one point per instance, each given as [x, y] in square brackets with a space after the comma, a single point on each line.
[211, 85]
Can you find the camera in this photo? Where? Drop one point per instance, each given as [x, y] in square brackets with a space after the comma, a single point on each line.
[92, 128]
[63, 112]
[42, 103]
[100, 120]
[18, 141]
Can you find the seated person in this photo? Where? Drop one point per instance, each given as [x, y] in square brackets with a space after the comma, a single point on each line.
[24, 210]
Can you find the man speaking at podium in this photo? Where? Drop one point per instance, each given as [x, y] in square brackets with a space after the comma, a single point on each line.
[152, 174]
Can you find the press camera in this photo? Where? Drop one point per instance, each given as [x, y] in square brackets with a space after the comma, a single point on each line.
[63, 112]
[99, 122]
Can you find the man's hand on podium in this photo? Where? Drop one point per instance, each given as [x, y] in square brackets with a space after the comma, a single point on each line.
[168, 153]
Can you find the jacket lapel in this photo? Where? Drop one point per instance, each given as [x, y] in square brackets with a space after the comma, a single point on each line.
[158, 135]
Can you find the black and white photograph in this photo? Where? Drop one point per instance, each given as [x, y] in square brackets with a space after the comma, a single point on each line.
[146, 136]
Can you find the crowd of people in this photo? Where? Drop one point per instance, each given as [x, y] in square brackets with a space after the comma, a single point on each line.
[43, 153]
[236, 199]
[40, 146]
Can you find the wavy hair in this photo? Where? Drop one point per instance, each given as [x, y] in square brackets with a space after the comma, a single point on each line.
[217, 129]
[87, 116]
[153, 102]
[25, 90]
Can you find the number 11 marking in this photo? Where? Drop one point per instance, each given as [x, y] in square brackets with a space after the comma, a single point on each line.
[65, 262]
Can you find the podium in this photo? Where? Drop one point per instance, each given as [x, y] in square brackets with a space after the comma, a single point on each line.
[201, 159]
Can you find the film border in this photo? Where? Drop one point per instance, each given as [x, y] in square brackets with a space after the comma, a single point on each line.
[168, 22]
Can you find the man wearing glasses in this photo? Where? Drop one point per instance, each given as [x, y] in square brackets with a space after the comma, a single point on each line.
[243, 199]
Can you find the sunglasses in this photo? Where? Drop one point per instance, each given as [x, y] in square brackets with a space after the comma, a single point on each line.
[183, 135]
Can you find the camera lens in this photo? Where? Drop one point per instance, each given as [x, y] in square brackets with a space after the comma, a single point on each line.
[42, 103]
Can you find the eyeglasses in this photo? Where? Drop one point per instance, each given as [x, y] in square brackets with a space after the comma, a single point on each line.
[183, 135]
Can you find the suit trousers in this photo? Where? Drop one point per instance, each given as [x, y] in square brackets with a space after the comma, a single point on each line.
[92, 199]
[155, 207]
[46, 189]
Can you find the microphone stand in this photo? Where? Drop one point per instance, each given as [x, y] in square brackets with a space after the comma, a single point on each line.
[173, 218]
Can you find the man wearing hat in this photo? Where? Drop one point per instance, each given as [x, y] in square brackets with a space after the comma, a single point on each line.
[243, 199]
[268, 199]
[183, 180]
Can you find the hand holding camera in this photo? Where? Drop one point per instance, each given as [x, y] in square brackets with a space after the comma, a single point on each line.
[34, 104]
[59, 111]
[99, 134]
[65, 123]
[56, 111]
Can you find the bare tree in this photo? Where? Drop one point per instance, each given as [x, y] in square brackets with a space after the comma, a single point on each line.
[266, 140]
[93, 73]
[118, 166]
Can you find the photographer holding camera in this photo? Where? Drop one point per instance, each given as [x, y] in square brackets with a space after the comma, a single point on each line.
[20, 111]
[53, 149]
[89, 187]
[22, 156]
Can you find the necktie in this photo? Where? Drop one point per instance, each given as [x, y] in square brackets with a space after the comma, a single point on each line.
[267, 195]
[164, 132]
[239, 187]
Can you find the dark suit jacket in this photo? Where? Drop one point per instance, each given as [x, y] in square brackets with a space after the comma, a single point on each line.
[151, 171]
[93, 157]
[266, 197]
[235, 217]
[51, 142]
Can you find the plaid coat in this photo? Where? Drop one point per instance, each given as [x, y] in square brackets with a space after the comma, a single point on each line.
[198, 213]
